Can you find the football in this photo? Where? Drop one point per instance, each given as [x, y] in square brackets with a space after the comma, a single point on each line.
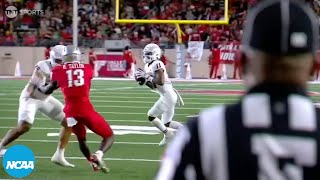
[141, 80]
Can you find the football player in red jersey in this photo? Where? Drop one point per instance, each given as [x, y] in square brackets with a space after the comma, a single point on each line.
[74, 80]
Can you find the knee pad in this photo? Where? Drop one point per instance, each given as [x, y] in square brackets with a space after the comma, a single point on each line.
[151, 118]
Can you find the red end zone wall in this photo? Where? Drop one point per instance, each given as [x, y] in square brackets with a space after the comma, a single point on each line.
[29, 56]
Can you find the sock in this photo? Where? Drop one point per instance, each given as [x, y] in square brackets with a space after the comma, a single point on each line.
[99, 154]
[60, 152]
[158, 123]
[175, 125]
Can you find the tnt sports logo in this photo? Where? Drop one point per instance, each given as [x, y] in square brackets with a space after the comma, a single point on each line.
[12, 12]
[18, 161]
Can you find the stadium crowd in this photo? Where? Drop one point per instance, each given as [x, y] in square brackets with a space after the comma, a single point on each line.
[96, 21]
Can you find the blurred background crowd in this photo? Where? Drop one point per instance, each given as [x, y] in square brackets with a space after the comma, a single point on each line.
[96, 21]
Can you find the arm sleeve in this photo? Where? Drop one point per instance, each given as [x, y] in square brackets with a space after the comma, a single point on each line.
[183, 155]
[90, 71]
[53, 75]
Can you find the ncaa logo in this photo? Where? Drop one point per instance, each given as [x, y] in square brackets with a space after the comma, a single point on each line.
[18, 161]
[11, 11]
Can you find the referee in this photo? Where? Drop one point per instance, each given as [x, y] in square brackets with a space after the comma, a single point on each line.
[273, 132]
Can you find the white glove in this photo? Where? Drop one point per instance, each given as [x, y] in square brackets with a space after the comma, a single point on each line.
[141, 74]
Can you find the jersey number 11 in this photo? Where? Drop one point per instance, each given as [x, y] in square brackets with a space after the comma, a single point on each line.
[79, 81]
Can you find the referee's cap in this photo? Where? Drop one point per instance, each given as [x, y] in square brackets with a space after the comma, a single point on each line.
[281, 27]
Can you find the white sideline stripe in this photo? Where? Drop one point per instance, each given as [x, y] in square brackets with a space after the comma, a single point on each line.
[150, 93]
[172, 79]
[131, 79]
[131, 90]
[113, 127]
[113, 89]
[17, 94]
[193, 116]
[185, 94]
[102, 112]
[106, 159]
[133, 102]
[92, 142]
[214, 97]
[48, 119]
[133, 107]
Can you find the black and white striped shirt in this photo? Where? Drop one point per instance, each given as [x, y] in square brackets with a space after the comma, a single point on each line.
[272, 133]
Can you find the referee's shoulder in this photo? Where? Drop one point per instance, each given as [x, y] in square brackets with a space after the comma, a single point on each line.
[208, 117]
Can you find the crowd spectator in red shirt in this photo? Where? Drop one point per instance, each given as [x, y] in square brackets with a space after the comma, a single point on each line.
[214, 61]
[195, 36]
[47, 52]
[92, 58]
[9, 39]
[128, 57]
[29, 39]
[163, 58]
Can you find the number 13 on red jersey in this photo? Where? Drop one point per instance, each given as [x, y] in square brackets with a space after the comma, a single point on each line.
[78, 81]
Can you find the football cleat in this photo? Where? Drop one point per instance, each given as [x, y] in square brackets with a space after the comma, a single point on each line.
[2, 152]
[98, 164]
[60, 160]
[167, 138]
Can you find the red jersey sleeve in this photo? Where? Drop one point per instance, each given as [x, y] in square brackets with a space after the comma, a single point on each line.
[54, 72]
[89, 71]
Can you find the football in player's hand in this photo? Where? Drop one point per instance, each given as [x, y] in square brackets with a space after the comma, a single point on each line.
[141, 80]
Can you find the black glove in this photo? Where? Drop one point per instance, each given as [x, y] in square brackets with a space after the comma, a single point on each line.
[141, 80]
[151, 85]
[48, 88]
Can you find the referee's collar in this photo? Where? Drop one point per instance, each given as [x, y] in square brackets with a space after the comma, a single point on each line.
[277, 88]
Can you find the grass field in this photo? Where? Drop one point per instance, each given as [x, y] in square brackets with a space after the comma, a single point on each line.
[135, 154]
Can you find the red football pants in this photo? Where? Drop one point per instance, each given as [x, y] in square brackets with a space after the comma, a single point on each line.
[214, 68]
[93, 121]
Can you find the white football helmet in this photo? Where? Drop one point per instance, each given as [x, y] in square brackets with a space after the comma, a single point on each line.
[151, 52]
[71, 54]
[56, 54]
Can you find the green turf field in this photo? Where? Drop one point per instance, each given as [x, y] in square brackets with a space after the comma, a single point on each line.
[135, 154]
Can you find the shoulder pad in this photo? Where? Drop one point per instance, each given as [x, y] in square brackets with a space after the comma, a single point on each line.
[44, 66]
[156, 65]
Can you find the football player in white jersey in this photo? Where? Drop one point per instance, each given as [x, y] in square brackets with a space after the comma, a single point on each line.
[155, 76]
[36, 97]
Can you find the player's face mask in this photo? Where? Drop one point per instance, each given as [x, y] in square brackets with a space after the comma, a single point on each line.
[58, 61]
[147, 56]
[72, 58]
[56, 55]
[71, 54]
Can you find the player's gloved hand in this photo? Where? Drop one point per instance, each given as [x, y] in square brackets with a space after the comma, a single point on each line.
[54, 85]
[48, 88]
[139, 78]
[141, 74]
[151, 85]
